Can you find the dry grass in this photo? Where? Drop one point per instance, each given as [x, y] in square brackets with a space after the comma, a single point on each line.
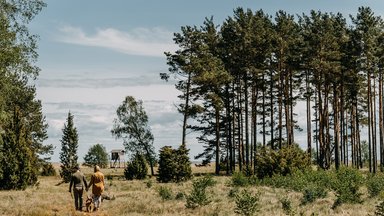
[136, 198]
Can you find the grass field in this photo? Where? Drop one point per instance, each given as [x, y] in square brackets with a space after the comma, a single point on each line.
[49, 197]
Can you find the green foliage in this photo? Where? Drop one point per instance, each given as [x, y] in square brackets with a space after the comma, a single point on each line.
[149, 183]
[312, 192]
[287, 205]
[183, 168]
[375, 184]
[174, 165]
[69, 145]
[132, 126]
[198, 196]
[137, 168]
[284, 161]
[347, 182]
[233, 192]
[179, 196]
[165, 193]
[17, 171]
[96, 155]
[238, 179]
[48, 170]
[246, 203]
[167, 164]
[22, 124]
[313, 184]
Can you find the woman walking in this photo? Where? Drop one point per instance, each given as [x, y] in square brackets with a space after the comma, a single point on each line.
[97, 183]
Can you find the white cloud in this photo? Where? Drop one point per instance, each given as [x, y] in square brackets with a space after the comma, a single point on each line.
[139, 41]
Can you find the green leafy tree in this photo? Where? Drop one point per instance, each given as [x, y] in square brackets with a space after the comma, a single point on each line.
[131, 125]
[69, 145]
[97, 155]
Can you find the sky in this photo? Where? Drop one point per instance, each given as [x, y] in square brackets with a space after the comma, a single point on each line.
[94, 53]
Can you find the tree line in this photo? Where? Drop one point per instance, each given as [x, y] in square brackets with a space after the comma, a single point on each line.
[241, 83]
[22, 125]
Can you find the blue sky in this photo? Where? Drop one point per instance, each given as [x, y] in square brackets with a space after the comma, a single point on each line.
[93, 53]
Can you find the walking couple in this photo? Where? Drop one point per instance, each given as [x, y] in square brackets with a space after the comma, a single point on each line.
[78, 184]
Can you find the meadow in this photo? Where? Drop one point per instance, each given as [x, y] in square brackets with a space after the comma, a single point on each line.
[142, 197]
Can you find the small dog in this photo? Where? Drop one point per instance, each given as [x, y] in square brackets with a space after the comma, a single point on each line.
[89, 206]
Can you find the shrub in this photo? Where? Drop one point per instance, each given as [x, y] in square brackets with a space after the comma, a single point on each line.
[198, 196]
[183, 168]
[137, 168]
[284, 161]
[233, 192]
[167, 164]
[149, 183]
[375, 184]
[287, 206]
[174, 165]
[347, 184]
[179, 196]
[165, 193]
[48, 170]
[247, 203]
[248, 171]
[313, 192]
[238, 179]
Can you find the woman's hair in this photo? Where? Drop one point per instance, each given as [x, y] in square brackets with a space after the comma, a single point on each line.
[97, 168]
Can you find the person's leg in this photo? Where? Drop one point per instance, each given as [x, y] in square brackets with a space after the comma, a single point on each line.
[76, 195]
[81, 199]
[99, 202]
[95, 202]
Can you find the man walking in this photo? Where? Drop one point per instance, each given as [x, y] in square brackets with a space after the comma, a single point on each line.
[78, 184]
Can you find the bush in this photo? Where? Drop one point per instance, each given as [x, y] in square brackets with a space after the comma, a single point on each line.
[375, 184]
[149, 183]
[313, 192]
[179, 196]
[287, 206]
[247, 203]
[347, 184]
[48, 170]
[198, 196]
[238, 179]
[137, 168]
[233, 192]
[165, 193]
[174, 165]
[284, 161]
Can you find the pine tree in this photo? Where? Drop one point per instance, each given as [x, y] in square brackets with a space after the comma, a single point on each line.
[167, 164]
[69, 145]
[174, 164]
[17, 170]
[184, 170]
